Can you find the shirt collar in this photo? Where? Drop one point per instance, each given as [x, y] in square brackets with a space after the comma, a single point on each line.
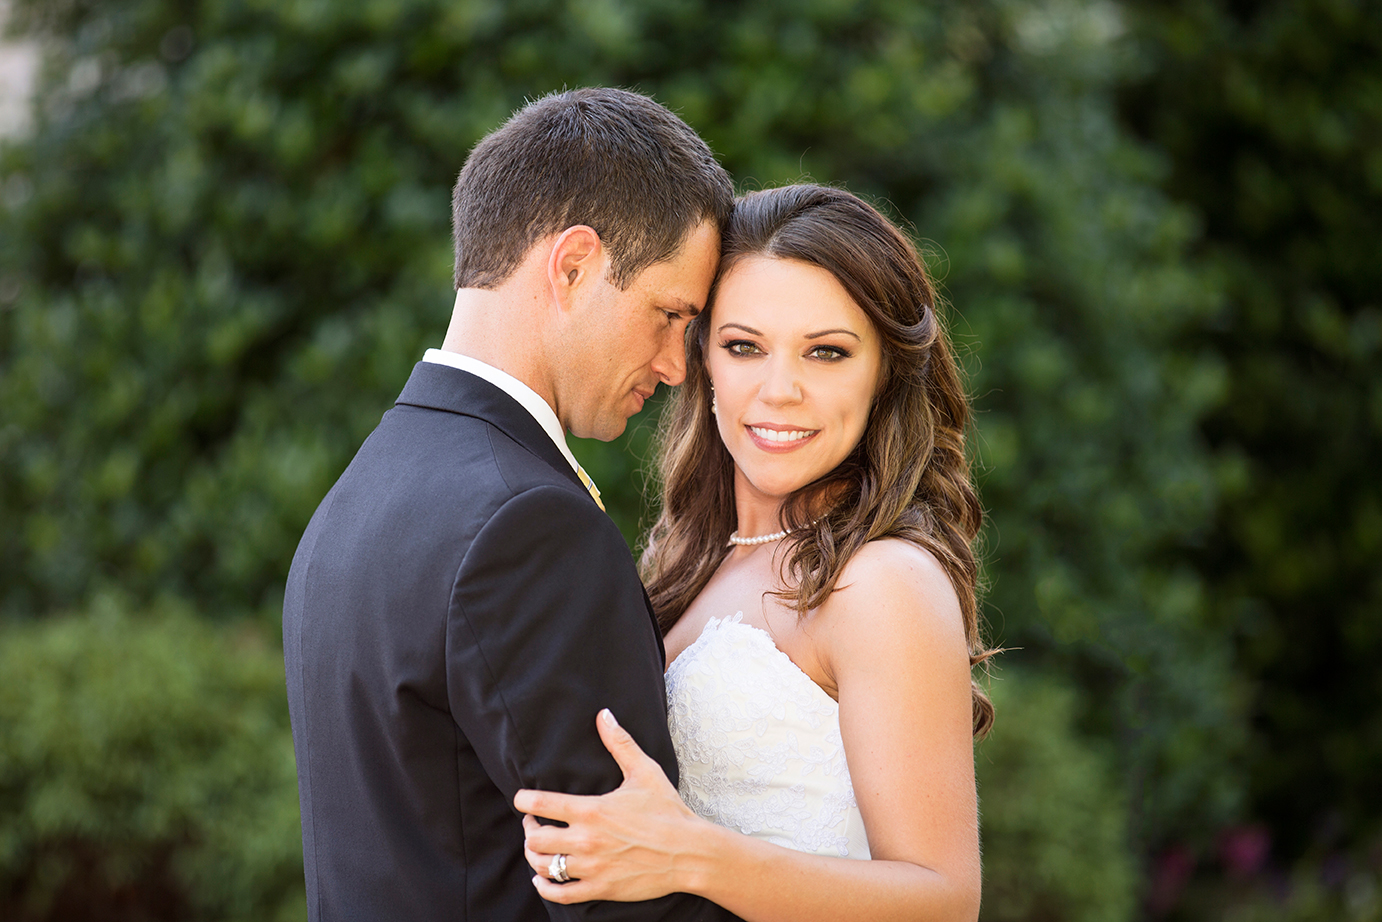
[527, 398]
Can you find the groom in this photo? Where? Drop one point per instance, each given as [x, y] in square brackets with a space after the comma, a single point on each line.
[460, 607]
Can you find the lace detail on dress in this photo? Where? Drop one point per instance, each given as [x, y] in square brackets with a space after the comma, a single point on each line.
[758, 743]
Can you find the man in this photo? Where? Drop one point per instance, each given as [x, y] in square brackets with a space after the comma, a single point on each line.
[460, 607]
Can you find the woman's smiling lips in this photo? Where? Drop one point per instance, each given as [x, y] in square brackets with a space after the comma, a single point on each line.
[779, 438]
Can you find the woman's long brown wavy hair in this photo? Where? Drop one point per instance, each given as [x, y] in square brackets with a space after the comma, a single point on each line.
[907, 478]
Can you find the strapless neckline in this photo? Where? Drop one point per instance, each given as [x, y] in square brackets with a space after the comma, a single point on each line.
[765, 643]
[758, 743]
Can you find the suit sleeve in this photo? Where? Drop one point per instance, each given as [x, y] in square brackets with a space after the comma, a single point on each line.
[547, 626]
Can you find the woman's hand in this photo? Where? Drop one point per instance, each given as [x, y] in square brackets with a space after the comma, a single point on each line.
[630, 844]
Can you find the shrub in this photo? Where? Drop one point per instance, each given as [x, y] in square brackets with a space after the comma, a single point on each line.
[1055, 821]
[225, 244]
[146, 771]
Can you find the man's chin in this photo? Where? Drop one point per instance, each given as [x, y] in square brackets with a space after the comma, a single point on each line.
[604, 430]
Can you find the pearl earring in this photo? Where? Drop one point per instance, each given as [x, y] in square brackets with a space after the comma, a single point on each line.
[714, 408]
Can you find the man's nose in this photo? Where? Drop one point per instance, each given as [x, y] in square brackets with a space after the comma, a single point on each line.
[670, 363]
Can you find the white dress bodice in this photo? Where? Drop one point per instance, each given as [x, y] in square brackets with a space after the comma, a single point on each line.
[758, 743]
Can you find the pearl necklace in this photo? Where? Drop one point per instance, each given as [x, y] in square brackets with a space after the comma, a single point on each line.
[761, 539]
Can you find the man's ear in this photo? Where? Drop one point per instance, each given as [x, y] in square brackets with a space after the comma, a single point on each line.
[577, 258]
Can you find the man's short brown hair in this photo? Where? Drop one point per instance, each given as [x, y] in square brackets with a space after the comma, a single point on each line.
[611, 159]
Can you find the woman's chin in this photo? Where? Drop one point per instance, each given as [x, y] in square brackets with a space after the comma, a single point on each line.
[777, 488]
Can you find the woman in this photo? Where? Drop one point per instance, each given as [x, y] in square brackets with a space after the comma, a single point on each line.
[813, 574]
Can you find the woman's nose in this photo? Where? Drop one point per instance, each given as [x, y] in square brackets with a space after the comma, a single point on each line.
[781, 384]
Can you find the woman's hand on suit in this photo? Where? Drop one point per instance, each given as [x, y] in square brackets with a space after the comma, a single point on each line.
[637, 842]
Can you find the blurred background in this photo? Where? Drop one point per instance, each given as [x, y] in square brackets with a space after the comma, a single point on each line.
[224, 241]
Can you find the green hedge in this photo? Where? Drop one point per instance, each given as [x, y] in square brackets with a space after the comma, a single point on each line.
[146, 772]
[1055, 817]
[1270, 117]
[226, 243]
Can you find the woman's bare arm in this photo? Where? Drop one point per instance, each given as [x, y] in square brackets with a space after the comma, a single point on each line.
[893, 641]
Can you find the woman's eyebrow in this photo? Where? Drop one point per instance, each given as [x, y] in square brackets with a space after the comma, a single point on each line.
[752, 332]
[836, 330]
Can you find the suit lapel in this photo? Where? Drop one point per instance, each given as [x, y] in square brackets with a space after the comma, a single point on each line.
[441, 387]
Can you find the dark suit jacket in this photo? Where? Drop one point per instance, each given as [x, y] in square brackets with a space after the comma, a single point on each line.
[457, 613]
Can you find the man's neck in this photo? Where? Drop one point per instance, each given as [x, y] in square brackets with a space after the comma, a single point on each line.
[502, 329]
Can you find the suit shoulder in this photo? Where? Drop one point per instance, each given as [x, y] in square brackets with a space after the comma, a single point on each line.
[472, 455]
[521, 469]
[558, 510]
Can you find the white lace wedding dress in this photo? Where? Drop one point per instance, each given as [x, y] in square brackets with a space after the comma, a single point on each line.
[758, 743]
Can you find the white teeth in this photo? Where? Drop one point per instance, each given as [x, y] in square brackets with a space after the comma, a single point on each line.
[773, 435]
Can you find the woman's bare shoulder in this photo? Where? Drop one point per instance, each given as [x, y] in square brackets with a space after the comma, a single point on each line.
[893, 592]
[891, 569]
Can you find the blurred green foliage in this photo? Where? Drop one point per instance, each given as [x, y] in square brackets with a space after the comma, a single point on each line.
[146, 770]
[226, 242]
[1060, 854]
[229, 245]
[1313, 890]
[146, 773]
[1271, 116]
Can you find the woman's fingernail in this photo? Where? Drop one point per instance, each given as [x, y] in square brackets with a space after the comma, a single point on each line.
[608, 717]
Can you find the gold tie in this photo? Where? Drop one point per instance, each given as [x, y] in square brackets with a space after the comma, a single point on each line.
[589, 485]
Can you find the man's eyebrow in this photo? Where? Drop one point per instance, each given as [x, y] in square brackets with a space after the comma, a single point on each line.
[686, 307]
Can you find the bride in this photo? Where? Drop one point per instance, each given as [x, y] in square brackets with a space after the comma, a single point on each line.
[813, 574]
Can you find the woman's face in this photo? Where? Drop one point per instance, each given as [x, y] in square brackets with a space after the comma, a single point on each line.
[795, 365]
